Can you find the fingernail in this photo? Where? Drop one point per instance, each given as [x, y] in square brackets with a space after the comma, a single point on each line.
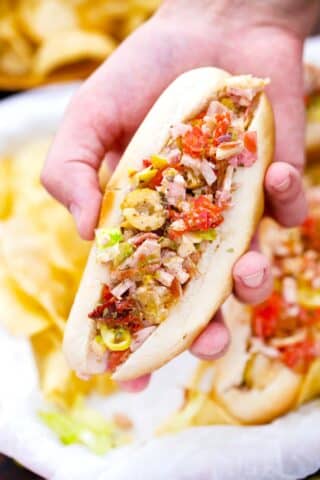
[283, 185]
[254, 280]
[76, 213]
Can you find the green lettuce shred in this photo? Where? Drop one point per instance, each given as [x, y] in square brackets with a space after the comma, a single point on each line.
[84, 426]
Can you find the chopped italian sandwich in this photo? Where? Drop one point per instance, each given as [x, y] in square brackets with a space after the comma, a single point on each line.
[273, 363]
[179, 210]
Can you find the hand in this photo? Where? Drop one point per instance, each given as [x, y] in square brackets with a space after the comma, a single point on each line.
[254, 37]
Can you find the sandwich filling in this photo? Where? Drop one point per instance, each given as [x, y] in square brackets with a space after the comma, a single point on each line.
[173, 210]
[286, 327]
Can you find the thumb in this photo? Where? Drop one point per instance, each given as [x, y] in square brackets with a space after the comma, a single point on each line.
[70, 174]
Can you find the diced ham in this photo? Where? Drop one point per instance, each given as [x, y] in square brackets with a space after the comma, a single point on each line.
[258, 346]
[244, 159]
[174, 155]
[289, 290]
[242, 96]
[176, 190]
[164, 277]
[186, 246]
[229, 149]
[174, 266]
[227, 181]
[214, 108]
[223, 198]
[206, 169]
[179, 130]
[224, 138]
[140, 337]
[149, 248]
[316, 283]
[141, 237]
[122, 288]
[190, 162]
[245, 87]
[298, 336]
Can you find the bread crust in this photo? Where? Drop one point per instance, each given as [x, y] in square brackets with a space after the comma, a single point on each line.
[183, 99]
[313, 142]
[250, 406]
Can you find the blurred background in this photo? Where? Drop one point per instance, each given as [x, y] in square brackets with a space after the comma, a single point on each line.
[45, 41]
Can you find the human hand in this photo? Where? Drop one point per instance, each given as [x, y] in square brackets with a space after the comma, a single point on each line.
[241, 37]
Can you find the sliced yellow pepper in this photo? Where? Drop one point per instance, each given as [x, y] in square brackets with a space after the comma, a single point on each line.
[115, 339]
[145, 175]
[309, 298]
[158, 162]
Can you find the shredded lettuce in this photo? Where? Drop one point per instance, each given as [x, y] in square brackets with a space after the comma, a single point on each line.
[107, 237]
[84, 426]
[197, 237]
[124, 251]
[107, 243]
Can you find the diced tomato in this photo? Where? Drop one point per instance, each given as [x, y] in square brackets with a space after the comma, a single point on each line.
[250, 141]
[223, 121]
[106, 294]
[156, 180]
[203, 215]
[309, 317]
[194, 142]
[310, 230]
[176, 288]
[116, 358]
[299, 355]
[265, 316]
[146, 162]
[198, 120]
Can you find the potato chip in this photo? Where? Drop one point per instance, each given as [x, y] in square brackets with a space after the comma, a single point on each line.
[42, 258]
[63, 246]
[70, 47]
[311, 384]
[25, 255]
[40, 19]
[19, 314]
[38, 44]
[58, 383]
[15, 51]
[5, 188]
[198, 410]
[102, 15]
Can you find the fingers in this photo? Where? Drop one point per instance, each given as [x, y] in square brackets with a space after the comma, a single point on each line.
[286, 197]
[137, 385]
[213, 341]
[252, 278]
[89, 128]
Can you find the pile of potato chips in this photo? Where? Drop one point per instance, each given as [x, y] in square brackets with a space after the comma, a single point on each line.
[42, 41]
[42, 258]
